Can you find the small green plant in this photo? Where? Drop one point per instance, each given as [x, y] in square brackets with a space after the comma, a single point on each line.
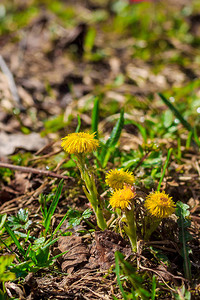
[20, 221]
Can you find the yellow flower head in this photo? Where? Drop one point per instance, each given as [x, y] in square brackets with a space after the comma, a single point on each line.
[79, 142]
[122, 198]
[117, 178]
[160, 205]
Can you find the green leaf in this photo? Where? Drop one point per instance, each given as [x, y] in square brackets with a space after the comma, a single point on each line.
[19, 221]
[22, 269]
[182, 209]
[42, 256]
[38, 243]
[87, 213]
[23, 215]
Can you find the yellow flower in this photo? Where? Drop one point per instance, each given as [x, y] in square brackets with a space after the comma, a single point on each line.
[159, 204]
[122, 198]
[117, 178]
[80, 142]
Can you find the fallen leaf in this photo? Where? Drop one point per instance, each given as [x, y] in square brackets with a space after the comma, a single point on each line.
[77, 254]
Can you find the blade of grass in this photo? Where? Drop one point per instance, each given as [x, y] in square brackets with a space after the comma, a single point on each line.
[13, 236]
[112, 140]
[95, 116]
[60, 224]
[176, 112]
[79, 124]
[182, 212]
[153, 291]
[196, 138]
[181, 119]
[117, 270]
[49, 244]
[164, 168]
[136, 281]
[141, 128]
[57, 256]
[2, 220]
[53, 206]
[188, 141]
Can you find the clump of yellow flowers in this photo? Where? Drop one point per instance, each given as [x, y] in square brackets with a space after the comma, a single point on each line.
[158, 205]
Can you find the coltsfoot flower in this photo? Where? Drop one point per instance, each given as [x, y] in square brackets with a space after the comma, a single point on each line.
[159, 205]
[122, 198]
[117, 178]
[79, 142]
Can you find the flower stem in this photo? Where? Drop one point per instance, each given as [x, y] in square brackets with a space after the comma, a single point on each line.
[91, 191]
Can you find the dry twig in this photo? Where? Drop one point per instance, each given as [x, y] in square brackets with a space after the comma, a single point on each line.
[32, 170]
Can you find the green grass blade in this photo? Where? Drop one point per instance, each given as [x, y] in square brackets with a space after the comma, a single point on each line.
[117, 271]
[136, 281]
[13, 236]
[141, 129]
[60, 224]
[196, 138]
[2, 220]
[153, 291]
[95, 116]
[59, 255]
[116, 132]
[49, 244]
[53, 206]
[164, 168]
[112, 140]
[176, 112]
[182, 212]
[79, 124]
